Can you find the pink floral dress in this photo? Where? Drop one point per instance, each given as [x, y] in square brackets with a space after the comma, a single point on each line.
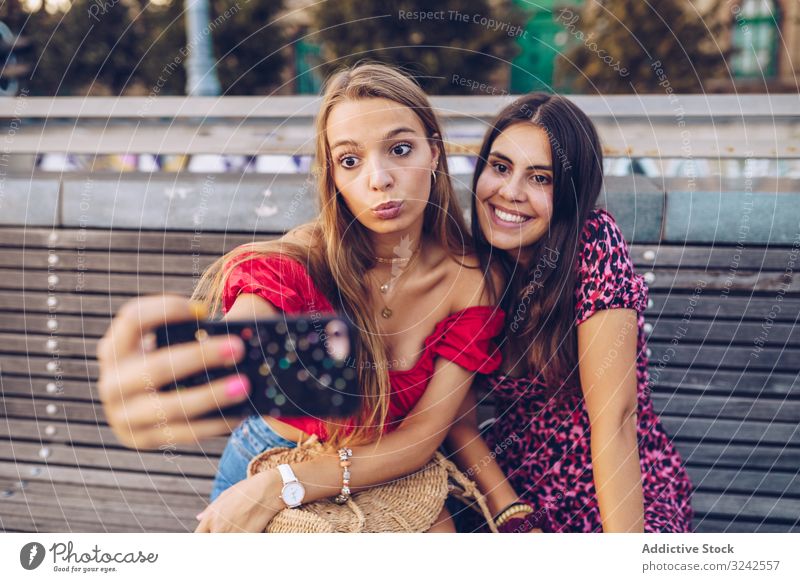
[543, 443]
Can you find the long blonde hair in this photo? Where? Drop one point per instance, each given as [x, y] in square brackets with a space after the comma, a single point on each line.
[339, 251]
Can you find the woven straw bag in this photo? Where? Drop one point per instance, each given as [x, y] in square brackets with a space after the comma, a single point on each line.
[410, 504]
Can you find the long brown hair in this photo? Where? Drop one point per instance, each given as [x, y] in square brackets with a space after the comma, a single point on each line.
[544, 334]
[338, 251]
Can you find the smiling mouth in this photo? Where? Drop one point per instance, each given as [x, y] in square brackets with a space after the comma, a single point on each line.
[508, 217]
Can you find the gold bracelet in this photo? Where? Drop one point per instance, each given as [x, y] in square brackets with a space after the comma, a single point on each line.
[507, 516]
[509, 506]
[516, 509]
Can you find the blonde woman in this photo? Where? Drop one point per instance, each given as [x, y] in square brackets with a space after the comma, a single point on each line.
[391, 252]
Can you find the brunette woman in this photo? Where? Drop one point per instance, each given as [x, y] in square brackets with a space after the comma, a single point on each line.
[575, 433]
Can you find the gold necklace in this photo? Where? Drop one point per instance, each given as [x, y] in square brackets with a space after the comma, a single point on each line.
[387, 312]
[393, 260]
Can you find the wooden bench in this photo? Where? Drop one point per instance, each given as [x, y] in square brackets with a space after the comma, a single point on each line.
[733, 416]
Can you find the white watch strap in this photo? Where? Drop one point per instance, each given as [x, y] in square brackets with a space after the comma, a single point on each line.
[287, 475]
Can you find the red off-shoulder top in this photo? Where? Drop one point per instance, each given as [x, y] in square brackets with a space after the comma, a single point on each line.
[465, 337]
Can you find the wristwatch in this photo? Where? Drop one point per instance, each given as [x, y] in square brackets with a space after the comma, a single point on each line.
[293, 491]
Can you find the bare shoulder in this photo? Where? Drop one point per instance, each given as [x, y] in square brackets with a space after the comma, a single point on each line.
[471, 283]
[303, 236]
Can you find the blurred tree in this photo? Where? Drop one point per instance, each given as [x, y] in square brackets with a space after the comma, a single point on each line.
[471, 39]
[249, 44]
[86, 47]
[162, 29]
[139, 47]
[615, 44]
[15, 61]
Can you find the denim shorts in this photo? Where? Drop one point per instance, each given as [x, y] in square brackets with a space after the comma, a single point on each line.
[250, 438]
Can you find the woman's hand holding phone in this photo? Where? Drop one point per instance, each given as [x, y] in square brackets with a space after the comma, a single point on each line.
[131, 376]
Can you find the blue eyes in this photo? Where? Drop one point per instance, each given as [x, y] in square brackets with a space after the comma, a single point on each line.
[350, 161]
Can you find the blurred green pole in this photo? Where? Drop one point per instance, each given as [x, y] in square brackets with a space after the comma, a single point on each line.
[201, 75]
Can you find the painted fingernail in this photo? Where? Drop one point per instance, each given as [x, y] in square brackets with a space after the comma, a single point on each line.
[237, 387]
[199, 516]
[232, 349]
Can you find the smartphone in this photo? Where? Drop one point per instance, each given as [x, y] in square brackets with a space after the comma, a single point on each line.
[297, 366]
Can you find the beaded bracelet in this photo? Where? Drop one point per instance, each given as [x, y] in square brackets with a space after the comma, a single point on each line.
[344, 463]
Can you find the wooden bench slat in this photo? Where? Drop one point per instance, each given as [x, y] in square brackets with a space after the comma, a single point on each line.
[32, 302]
[732, 431]
[762, 457]
[37, 344]
[724, 382]
[773, 483]
[106, 501]
[115, 262]
[153, 241]
[711, 525]
[712, 305]
[110, 520]
[66, 325]
[761, 408]
[38, 366]
[668, 279]
[143, 502]
[101, 458]
[49, 388]
[70, 282]
[90, 434]
[149, 482]
[730, 357]
[709, 257]
[724, 332]
[48, 410]
[785, 510]
[42, 524]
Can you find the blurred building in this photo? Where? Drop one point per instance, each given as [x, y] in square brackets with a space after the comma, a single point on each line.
[765, 35]
[305, 51]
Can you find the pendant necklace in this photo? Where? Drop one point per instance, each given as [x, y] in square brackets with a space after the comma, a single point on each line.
[403, 263]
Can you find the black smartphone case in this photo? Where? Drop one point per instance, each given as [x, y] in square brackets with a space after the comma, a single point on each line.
[290, 370]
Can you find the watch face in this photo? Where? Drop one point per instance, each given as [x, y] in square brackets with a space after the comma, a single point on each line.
[293, 493]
